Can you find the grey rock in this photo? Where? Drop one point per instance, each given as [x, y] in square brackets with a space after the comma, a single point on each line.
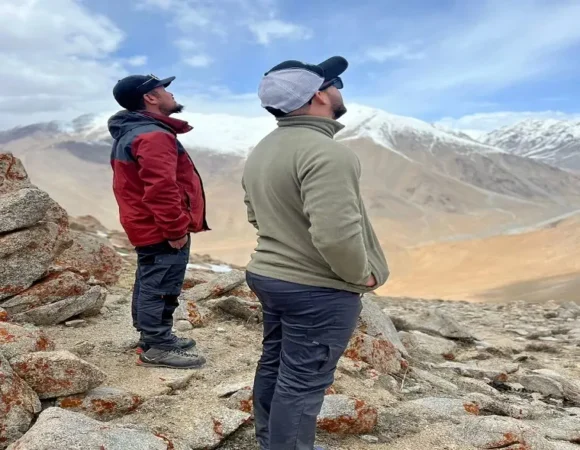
[57, 374]
[16, 340]
[570, 387]
[437, 323]
[13, 175]
[345, 415]
[242, 400]
[83, 348]
[53, 288]
[78, 323]
[421, 343]
[374, 322]
[370, 439]
[87, 304]
[542, 384]
[238, 307]
[25, 256]
[62, 429]
[22, 209]
[102, 403]
[500, 432]
[18, 405]
[434, 380]
[179, 382]
[483, 371]
[183, 325]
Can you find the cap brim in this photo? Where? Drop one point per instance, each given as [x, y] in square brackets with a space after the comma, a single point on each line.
[333, 67]
[165, 82]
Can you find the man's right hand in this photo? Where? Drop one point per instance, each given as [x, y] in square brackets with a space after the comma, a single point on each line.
[179, 243]
[371, 281]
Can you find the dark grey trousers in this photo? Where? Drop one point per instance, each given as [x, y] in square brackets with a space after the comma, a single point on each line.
[306, 330]
[158, 282]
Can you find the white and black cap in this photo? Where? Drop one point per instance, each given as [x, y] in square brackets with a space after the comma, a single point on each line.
[291, 84]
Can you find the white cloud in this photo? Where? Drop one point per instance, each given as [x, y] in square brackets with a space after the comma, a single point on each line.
[55, 60]
[399, 51]
[137, 61]
[486, 122]
[200, 60]
[266, 31]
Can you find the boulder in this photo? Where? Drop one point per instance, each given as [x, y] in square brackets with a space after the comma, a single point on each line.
[87, 304]
[492, 371]
[25, 256]
[242, 400]
[16, 340]
[494, 432]
[62, 429]
[238, 307]
[53, 288]
[379, 353]
[198, 316]
[217, 287]
[18, 404]
[419, 343]
[559, 386]
[345, 415]
[57, 374]
[13, 175]
[436, 323]
[102, 403]
[92, 254]
[181, 418]
[22, 208]
[374, 322]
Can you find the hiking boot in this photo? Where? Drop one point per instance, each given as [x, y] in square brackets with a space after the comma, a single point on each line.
[180, 343]
[174, 359]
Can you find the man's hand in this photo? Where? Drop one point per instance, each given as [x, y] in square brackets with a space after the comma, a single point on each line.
[179, 243]
[371, 281]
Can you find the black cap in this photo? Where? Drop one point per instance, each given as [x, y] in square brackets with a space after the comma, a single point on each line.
[129, 91]
[330, 69]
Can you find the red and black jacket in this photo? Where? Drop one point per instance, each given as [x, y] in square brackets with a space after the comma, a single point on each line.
[158, 189]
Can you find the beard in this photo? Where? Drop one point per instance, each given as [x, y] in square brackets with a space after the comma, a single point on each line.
[175, 109]
[338, 110]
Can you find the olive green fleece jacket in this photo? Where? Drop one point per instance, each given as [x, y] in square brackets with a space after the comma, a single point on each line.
[302, 195]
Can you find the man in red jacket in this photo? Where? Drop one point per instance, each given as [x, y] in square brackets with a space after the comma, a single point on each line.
[161, 201]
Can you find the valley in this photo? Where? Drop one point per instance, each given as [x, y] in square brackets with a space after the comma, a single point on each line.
[458, 219]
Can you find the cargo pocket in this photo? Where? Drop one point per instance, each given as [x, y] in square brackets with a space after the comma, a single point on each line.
[333, 354]
[164, 276]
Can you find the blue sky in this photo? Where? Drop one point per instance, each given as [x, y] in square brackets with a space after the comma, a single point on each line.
[468, 64]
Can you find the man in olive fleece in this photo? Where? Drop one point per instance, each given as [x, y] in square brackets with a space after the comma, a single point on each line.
[316, 253]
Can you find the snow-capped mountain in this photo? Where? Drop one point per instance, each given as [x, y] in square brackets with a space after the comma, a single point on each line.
[555, 142]
[424, 181]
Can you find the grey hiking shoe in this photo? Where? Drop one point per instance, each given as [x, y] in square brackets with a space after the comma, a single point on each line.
[175, 358]
[181, 343]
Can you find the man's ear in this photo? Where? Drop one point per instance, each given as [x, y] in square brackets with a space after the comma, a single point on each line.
[322, 98]
[150, 98]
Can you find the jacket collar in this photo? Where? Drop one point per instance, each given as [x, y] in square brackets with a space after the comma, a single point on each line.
[178, 126]
[323, 125]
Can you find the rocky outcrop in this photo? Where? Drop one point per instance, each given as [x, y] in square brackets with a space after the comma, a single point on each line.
[16, 340]
[376, 341]
[57, 374]
[62, 429]
[343, 415]
[91, 254]
[102, 403]
[45, 270]
[18, 405]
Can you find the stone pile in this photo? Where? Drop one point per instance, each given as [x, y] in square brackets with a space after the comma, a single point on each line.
[48, 273]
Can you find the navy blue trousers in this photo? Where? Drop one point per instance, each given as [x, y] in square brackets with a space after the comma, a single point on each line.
[158, 282]
[306, 330]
